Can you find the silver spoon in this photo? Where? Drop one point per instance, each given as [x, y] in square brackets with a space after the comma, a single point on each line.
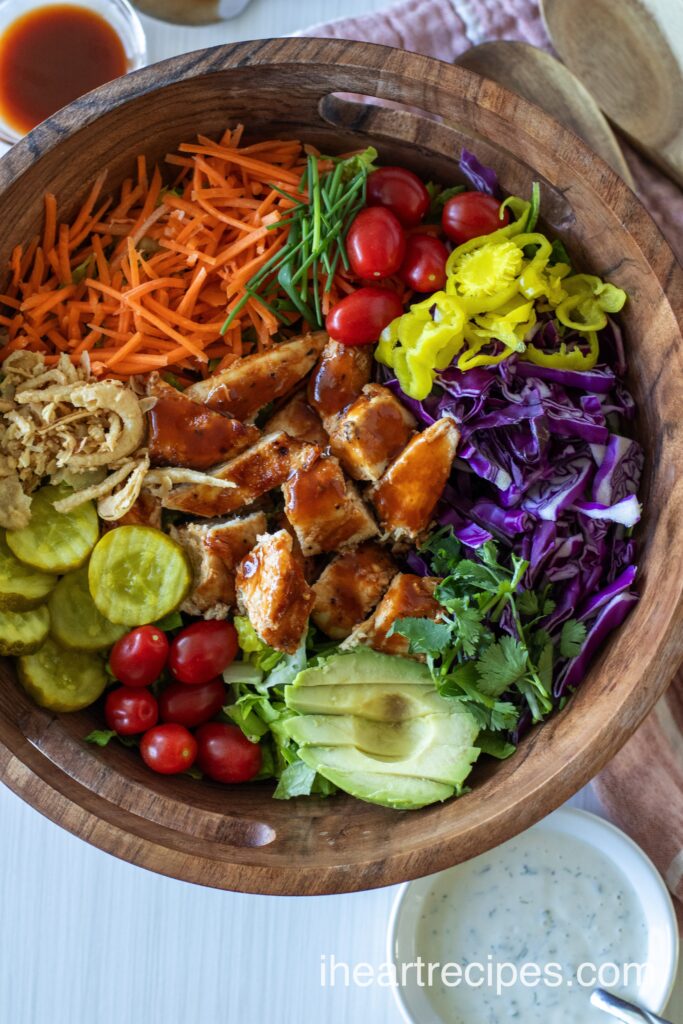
[619, 1008]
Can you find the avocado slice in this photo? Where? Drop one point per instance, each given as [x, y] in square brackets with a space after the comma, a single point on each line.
[386, 740]
[363, 666]
[375, 725]
[388, 790]
[380, 702]
[438, 763]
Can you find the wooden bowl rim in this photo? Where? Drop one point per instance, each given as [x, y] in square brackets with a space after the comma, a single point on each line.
[29, 772]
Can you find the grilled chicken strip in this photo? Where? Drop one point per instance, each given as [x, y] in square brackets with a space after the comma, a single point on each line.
[339, 378]
[371, 432]
[250, 383]
[215, 550]
[349, 588]
[255, 472]
[325, 509]
[407, 597]
[311, 565]
[407, 494]
[272, 592]
[186, 433]
[299, 420]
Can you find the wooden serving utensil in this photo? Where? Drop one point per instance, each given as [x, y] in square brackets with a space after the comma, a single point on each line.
[629, 55]
[541, 79]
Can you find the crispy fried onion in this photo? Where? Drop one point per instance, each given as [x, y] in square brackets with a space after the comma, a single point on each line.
[118, 493]
[57, 421]
[15, 506]
[162, 481]
[106, 416]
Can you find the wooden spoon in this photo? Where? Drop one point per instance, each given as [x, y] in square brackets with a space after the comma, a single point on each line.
[629, 55]
[541, 79]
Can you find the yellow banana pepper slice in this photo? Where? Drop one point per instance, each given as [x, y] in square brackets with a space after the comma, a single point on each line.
[592, 299]
[496, 286]
[566, 358]
[509, 325]
[473, 356]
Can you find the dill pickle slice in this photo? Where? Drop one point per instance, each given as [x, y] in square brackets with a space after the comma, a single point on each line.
[62, 680]
[137, 575]
[75, 621]
[55, 541]
[23, 632]
[21, 587]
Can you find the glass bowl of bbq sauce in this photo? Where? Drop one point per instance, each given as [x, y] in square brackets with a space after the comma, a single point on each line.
[52, 52]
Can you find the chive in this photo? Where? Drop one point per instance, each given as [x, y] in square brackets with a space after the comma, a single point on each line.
[335, 182]
[280, 223]
[265, 303]
[285, 280]
[233, 313]
[316, 297]
[315, 197]
[305, 231]
[327, 201]
[344, 257]
[288, 195]
[314, 256]
[333, 270]
[315, 246]
[352, 189]
[273, 263]
[267, 267]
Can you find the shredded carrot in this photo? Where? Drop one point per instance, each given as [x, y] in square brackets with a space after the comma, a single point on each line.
[50, 228]
[144, 279]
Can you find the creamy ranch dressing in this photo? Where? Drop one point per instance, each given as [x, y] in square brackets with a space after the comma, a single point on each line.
[542, 898]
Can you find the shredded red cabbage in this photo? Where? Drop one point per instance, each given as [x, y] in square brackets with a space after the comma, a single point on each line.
[544, 467]
[481, 178]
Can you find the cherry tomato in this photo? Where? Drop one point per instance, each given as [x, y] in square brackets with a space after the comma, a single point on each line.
[225, 754]
[376, 243]
[471, 214]
[424, 266]
[191, 705]
[360, 318]
[400, 191]
[139, 657]
[168, 749]
[202, 651]
[130, 709]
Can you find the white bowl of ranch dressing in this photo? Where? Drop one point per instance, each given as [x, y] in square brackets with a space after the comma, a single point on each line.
[524, 932]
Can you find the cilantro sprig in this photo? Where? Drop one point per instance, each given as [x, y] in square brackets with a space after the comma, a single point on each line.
[489, 649]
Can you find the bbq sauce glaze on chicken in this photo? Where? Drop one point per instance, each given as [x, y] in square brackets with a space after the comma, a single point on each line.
[340, 485]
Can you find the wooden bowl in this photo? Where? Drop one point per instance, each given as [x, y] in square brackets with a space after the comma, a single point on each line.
[239, 838]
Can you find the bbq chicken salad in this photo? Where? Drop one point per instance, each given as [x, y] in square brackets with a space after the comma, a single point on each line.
[310, 471]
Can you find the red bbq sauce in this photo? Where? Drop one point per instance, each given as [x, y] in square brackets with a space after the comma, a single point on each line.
[51, 56]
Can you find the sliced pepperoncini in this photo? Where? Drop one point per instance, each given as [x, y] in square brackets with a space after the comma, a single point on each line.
[496, 286]
[565, 358]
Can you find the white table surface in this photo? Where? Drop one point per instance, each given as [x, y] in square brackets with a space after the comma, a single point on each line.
[88, 939]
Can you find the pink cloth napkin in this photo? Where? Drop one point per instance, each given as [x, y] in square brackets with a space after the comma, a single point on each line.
[444, 29]
[641, 793]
